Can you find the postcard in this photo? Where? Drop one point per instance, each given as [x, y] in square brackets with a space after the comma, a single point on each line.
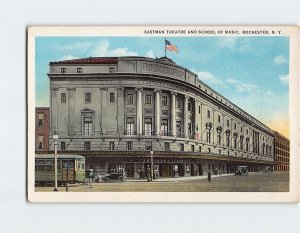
[163, 114]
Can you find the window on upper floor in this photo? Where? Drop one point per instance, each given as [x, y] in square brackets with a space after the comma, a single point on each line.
[63, 145]
[87, 145]
[178, 103]
[199, 109]
[227, 123]
[129, 126]
[129, 145]
[164, 101]
[112, 97]
[63, 97]
[111, 145]
[234, 125]
[40, 142]
[87, 97]
[208, 114]
[87, 126]
[219, 118]
[129, 98]
[167, 146]
[79, 70]
[40, 122]
[148, 99]
[148, 145]
[63, 70]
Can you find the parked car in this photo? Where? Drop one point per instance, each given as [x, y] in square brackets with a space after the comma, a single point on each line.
[241, 170]
[116, 175]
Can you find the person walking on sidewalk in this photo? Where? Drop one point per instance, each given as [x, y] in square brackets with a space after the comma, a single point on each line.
[209, 176]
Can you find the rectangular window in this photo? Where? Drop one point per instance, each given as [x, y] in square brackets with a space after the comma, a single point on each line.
[234, 126]
[130, 126]
[79, 70]
[87, 97]
[227, 123]
[129, 98]
[49, 165]
[63, 145]
[200, 148]
[167, 146]
[148, 145]
[164, 127]
[41, 142]
[88, 125]
[189, 106]
[181, 147]
[241, 129]
[87, 145]
[148, 99]
[208, 150]
[129, 145]
[148, 126]
[111, 145]
[111, 69]
[41, 165]
[178, 128]
[178, 103]
[219, 118]
[164, 101]
[112, 97]
[199, 109]
[41, 120]
[63, 70]
[192, 148]
[63, 97]
[208, 114]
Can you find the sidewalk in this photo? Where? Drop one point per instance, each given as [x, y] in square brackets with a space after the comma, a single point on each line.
[177, 179]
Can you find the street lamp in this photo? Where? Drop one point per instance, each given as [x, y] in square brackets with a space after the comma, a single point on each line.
[151, 160]
[55, 139]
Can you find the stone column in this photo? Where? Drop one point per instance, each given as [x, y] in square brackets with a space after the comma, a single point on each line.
[173, 113]
[185, 117]
[53, 110]
[71, 117]
[139, 112]
[120, 111]
[157, 112]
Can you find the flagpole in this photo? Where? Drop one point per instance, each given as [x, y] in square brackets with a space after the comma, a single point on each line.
[165, 49]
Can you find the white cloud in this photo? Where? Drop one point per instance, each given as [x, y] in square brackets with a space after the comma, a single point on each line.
[284, 78]
[68, 57]
[102, 49]
[76, 46]
[227, 42]
[150, 53]
[241, 86]
[208, 78]
[280, 60]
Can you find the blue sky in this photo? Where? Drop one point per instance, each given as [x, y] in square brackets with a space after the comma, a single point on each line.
[252, 72]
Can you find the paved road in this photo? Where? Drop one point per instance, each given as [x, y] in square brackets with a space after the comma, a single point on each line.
[254, 182]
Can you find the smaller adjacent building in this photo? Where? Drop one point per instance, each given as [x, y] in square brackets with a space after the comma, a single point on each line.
[282, 152]
[42, 120]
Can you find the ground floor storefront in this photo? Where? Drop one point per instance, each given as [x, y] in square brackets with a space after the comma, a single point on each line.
[169, 164]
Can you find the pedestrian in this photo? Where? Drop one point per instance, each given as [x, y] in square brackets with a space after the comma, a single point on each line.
[209, 176]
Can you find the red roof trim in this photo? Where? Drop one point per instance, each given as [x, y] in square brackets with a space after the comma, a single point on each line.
[90, 60]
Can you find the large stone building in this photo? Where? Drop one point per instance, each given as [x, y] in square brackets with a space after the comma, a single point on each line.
[116, 110]
[282, 152]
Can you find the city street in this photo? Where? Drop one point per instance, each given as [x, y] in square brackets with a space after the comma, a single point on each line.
[254, 182]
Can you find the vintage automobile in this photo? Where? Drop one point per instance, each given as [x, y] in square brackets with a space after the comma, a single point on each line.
[241, 170]
[116, 175]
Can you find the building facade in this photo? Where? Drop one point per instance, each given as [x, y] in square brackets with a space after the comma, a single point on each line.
[42, 131]
[282, 152]
[125, 111]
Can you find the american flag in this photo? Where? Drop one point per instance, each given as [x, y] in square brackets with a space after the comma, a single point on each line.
[171, 47]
